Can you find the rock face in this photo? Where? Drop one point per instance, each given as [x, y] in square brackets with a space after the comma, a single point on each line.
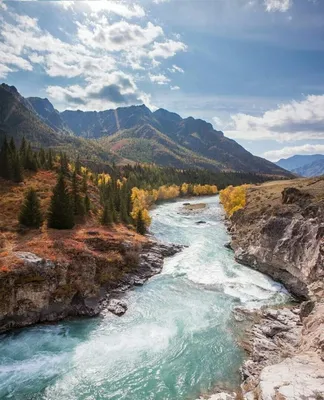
[286, 356]
[40, 290]
[280, 233]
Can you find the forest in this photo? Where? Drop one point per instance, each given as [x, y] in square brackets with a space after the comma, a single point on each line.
[126, 193]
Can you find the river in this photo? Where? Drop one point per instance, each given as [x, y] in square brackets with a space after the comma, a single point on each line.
[176, 341]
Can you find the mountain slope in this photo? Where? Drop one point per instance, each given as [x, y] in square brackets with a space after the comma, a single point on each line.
[207, 147]
[315, 168]
[18, 118]
[127, 134]
[297, 161]
[44, 108]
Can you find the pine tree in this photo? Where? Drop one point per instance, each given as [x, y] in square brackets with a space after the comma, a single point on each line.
[30, 213]
[87, 203]
[123, 212]
[78, 203]
[78, 166]
[106, 217]
[84, 183]
[140, 224]
[5, 161]
[60, 214]
[64, 164]
[42, 158]
[12, 146]
[17, 170]
[49, 163]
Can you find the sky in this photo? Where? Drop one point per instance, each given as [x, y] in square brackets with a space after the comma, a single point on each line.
[253, 68]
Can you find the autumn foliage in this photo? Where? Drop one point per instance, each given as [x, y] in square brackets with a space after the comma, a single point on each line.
[233, 198]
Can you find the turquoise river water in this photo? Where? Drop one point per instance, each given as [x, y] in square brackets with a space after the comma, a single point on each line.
[176, 341]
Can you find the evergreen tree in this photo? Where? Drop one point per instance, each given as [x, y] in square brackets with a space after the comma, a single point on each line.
[30, 213]
[42, 158]
[84, 183]
[5, 160]
[78, 166]
[60, 214]
[123, 212]
[17, 170]
[30, 161]
[106, 217]
[64, 164]
[140, 223]
[87, 203]
[50, 163]
[78, 203]
[12, 146]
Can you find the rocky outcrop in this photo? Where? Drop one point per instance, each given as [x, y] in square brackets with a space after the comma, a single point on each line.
[286, 355]
[282, 238]
[280, 233]
[41, 290]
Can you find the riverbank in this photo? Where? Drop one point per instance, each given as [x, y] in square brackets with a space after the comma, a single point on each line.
[280, 233]
[57, 275]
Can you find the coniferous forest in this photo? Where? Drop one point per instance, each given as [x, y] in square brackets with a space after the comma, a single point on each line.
[126, 192]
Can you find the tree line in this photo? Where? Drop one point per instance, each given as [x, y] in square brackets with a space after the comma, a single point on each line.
[126, 192]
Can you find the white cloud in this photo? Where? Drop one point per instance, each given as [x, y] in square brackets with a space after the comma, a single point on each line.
[160, 79]
[175, 87]
[116, 88]
[166, 49]
[93, 54]
[127, 11]
[275, 155]
[291, 121]
[175, 68]
[278, 5]
[2, 5]
[120, 36]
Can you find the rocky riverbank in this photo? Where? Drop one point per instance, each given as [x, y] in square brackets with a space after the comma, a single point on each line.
[92, 275]
[280, 233]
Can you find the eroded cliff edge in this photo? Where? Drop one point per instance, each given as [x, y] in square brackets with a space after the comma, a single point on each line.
[280, 233]
[75, 273]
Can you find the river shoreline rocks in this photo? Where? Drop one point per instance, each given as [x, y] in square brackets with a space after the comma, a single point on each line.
[41, 290]
[280, 233]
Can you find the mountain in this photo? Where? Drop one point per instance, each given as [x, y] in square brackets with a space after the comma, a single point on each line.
[304, 165]
[19, 118]
[45, 110]
[165, 138]
[315, 168]
[298, 161]
[127, 135]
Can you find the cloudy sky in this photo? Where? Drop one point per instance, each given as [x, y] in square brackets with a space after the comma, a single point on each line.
[254, 68]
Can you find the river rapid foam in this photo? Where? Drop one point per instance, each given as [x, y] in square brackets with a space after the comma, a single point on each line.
[176, 341]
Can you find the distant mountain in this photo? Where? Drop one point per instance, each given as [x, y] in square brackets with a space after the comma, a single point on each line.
[298, 161]
[315, 168]
[165, 138]
[127, 134]
[304, 165]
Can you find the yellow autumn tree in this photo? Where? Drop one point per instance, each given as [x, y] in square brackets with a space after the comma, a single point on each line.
[103, 179]
[233, 198]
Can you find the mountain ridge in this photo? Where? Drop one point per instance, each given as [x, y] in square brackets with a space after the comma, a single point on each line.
[304, 165]
[122, 134]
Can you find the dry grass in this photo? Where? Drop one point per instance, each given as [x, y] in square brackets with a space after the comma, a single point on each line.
[49, 243]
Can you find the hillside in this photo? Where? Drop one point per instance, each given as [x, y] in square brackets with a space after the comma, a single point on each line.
[18, 118]
[315, 168]
[298, 162]
[126, 135]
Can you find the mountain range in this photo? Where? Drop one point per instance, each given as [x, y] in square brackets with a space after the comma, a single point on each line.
[304, 165]
[127, 135]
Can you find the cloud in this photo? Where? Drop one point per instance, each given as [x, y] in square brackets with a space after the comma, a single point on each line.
[175, 68]
[159, 79]
[291, 121]
[278, 5]
[127, 11]
[116, 88]
[94, 52]
[120, 36]
[166, 49]
[275, 155]
[175, 87]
